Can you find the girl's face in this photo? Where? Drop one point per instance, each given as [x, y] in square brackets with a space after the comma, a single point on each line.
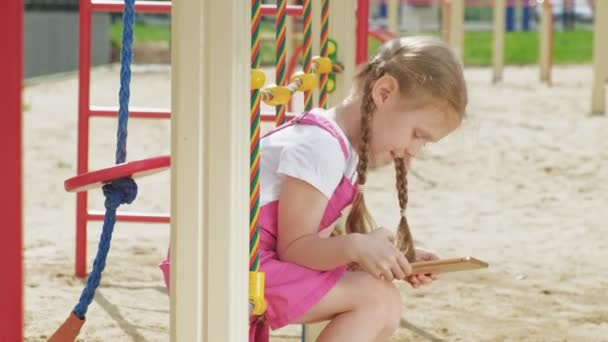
[403, 125]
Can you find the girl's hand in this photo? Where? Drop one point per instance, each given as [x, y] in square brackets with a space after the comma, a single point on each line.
[376, 253]
[423, 279]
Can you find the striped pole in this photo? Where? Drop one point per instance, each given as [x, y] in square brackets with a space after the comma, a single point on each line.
[254, 158]
[324, 43]
[281, 54]
[307, 49]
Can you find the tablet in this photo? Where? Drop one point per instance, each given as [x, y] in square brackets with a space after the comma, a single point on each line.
[448, 265]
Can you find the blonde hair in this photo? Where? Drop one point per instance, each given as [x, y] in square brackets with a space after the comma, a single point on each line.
[419, 64]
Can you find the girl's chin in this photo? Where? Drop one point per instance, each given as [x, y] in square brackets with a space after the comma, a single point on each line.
[383, 159]
[380, 160]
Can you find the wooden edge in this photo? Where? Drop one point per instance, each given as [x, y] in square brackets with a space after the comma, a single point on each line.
[448, 265]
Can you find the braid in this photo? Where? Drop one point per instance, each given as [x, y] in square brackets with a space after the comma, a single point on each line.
[404, 240]
[359, 219]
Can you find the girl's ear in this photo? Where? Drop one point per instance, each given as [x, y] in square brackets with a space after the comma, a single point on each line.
[383, 88]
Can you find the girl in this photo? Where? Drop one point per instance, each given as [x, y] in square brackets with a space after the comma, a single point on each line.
[411, 93]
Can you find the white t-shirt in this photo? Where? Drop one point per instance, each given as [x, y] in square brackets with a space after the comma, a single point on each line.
[306, 152]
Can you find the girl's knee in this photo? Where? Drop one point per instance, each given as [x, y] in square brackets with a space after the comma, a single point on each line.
[393, 308]
[383, 299]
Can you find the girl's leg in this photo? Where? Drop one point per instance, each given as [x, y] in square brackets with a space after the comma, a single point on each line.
[360, 308]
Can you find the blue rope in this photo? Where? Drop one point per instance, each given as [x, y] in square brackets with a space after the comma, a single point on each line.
[121, 190]
[118, 192]
[125, 80]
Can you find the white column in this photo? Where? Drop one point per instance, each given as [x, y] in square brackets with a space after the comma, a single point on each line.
[393, 16]
[209, 173]
[342, 28]
[498, 54]
[446, 14]
[546, 42]
[457, 27]
[600, 58]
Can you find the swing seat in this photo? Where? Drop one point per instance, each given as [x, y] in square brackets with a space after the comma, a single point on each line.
[134, 169]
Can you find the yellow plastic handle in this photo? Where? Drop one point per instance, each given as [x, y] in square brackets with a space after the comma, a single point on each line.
[309, 81]
[256, 293]
[322, 65]
[280, 95]
[257, 79]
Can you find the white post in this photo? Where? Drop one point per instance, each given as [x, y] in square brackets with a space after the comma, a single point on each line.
[393, 16]
[546, 43]
[600, 58]
[342, 28]
[498, 54]
[209, 171]
[446, 27]
[457, 27]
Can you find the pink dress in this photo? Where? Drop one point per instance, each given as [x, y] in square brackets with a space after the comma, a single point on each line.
[292, 290]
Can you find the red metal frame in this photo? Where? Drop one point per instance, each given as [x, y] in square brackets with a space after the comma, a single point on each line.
[140, 6]
[362, 29]
[11, 66]
[295, 10]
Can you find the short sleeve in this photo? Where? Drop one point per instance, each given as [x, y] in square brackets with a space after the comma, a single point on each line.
[318, 161]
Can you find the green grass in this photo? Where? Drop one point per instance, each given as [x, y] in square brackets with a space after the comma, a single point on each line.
[521, 48]
[141, 33]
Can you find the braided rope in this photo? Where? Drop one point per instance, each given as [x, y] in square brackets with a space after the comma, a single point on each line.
[254, 155]
[121, 190]
[307, 49]
[324, 49]
[281, 55]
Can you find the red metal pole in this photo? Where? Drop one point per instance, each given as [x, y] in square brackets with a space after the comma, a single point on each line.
[294, 10]
[134, 112]
[362, 29]
[84, 79]
[140, 6]
[11, 69]
[131, 217]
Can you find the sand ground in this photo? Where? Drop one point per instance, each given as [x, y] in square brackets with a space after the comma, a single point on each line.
[522, 185]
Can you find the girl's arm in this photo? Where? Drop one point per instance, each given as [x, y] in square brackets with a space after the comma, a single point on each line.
[301, 208]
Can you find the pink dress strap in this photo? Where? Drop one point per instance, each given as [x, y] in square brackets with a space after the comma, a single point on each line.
[313, 119]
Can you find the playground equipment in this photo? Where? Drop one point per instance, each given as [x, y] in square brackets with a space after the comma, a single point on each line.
[87, 111]
[600, 59]
[11, 286]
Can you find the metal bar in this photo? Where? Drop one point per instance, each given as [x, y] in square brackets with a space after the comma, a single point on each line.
[362, 29]
[84, 79]
[94, 215]
[270, 117]
[140, 6]
[295, 10]
[141, 113]
[11, 286]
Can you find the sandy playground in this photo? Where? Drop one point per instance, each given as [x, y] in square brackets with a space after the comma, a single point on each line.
[522, 185]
